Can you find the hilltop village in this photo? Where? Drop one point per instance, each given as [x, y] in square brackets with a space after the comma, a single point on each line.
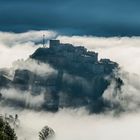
[74, 59]
[79, 80]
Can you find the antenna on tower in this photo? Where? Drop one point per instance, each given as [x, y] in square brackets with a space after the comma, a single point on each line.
[43, 41]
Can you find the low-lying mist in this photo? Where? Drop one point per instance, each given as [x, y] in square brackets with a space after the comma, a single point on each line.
[77, 124]
[74, 124]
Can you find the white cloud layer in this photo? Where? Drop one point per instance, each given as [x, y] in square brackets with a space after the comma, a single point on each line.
[74, 125]
[24, 97]
[20, 46]
[34, 66]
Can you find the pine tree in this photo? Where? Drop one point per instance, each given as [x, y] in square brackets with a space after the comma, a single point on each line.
[46, 133]
[6, 132]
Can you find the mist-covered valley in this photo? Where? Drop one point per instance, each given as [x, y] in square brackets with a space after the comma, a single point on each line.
[119, 122]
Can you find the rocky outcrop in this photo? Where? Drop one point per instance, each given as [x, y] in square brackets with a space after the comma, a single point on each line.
[80, 80]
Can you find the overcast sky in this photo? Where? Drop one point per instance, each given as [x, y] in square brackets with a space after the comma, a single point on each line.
[72, 17]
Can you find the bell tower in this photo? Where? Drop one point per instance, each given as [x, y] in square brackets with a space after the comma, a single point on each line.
[54, 43]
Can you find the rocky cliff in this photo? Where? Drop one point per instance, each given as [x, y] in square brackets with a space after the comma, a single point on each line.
[80, 79]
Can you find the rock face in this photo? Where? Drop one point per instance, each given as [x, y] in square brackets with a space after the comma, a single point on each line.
[80, 79]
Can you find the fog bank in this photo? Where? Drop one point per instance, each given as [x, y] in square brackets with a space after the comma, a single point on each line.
[78, 124]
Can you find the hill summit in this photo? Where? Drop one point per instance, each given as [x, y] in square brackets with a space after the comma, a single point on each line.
[79, 78]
